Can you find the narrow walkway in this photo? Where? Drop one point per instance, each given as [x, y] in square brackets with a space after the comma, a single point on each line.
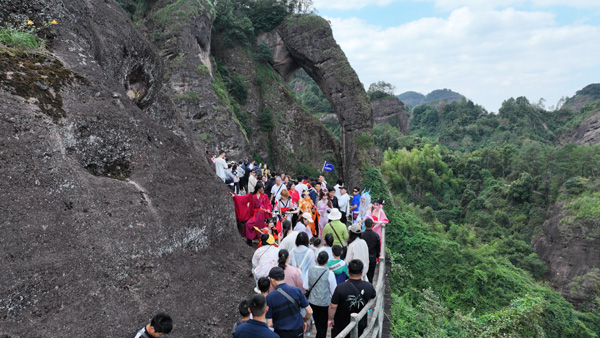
[314, 330]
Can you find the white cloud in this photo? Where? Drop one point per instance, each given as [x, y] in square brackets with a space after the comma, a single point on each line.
[493, 4]
[449, 5]
[487, 55]
[350, 4]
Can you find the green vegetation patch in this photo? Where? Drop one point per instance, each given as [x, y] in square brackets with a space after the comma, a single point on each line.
[583, 218]
[441, 288]
[13, 37]
[190, 97]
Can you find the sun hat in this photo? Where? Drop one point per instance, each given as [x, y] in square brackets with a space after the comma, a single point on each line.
[307, 215]
[335, 214]
[355, 228]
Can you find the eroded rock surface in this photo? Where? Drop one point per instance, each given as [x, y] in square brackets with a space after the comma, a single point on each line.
[588, 132]
[110, 211]
[391, 110]
[310, 43]
[571, 249]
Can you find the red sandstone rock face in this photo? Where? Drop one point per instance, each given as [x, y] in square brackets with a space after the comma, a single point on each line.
[110, 211]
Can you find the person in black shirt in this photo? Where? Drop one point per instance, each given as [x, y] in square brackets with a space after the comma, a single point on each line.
[333, 199]
[374, 245]
[350, 297]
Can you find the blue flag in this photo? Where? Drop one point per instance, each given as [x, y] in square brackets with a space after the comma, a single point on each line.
[327, 167]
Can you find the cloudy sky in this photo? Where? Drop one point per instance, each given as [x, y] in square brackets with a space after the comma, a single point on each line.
[487, 50]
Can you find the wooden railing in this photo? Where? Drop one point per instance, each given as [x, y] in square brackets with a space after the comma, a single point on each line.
[375, 327]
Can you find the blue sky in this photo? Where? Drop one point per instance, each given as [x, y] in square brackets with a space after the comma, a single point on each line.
[488, 50]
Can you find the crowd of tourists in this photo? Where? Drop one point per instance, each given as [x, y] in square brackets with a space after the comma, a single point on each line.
[317, 249]
[316, 252]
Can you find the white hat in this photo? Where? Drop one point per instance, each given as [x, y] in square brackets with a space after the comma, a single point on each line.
[308, 216]
[355, 228]
[335, 214]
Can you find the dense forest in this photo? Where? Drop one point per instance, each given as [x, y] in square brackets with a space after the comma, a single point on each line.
[473, 190]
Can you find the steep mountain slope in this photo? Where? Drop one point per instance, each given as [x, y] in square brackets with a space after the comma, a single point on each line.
[106, 213]
[110, 207]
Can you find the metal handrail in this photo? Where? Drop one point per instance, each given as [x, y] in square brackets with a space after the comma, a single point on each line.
[375, 327]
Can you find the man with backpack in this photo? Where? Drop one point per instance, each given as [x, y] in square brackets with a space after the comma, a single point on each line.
[350, 297]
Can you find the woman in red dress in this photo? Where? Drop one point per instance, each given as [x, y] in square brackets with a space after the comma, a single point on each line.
[254, 209]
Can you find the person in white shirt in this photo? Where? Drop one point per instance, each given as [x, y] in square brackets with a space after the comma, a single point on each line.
[221, 166]
[301, 226]
[252, 181]
[300, 187]
[264, 258]
[337, 187]
[344, 204]
[357, 248]
[276, 190]
[289, 241]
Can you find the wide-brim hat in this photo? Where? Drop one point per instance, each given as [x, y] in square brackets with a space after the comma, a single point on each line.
[335, 214]
[307, 215]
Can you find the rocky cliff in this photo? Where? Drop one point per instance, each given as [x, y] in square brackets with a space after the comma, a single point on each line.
[391, 110]
[110, 207]
[570, 247]
[306, 41]
[588, 132]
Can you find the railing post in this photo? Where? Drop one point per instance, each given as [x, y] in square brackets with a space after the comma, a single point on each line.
[354, 332]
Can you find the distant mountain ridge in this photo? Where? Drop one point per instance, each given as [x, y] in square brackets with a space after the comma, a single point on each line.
[414, 99]
[587, 94]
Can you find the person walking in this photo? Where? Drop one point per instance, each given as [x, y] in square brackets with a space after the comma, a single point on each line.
[344, 204]
[221, 166]
[276, 190]
[256, 327]
[374, 244]
[302, 257]
[252, 181]
[357, 247]
[284, 306]
[323, 209]
[336, 228]
[355, 202]
[264, 258]
[293, 276]
[289, 236]
[321, 285]
[350, 297]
